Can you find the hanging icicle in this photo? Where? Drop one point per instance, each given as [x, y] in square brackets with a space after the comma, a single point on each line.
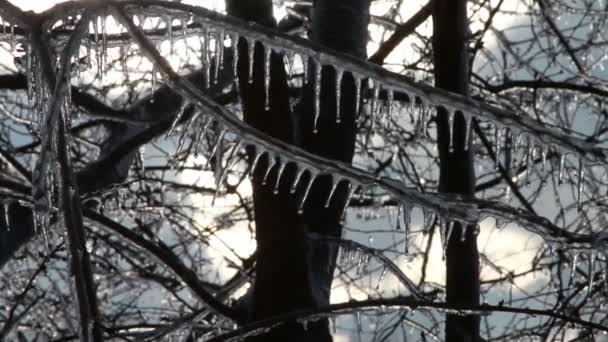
[317, 91]
[451, 115]
[468, 121]
[267, 71]
[311, 180]
[235, 59]
[357, 94]
[178, 117]
[339, 75]
[580, 185]
[251, 56]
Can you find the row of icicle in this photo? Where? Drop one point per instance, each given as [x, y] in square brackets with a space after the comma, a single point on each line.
[100, 52]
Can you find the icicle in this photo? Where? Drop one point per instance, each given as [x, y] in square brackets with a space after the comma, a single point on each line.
[205, 58]
[30, 75]
[306, 192]
[267, 55]
[407, 217]
[271, 163]
[218, 142]
[296, 180]
[6, 217]
[141, 155]
[332, 191]
[184, 22]
[581, 184]
[317, 88]
[357, 94]
[235, 59]
[178, 116]
[153, 79]
[381, 278]
[124, 54]
[592, 257]
[305, 68]
[528, 165]
[497, 137]
[398, 221]
[98, 57]
[250, 54]
[463, 231]
[256, 160]
[220, 51]
[467, 131]
[12, 37]
[279, 175]
[170, 34]
[449, 228]
[562, 162]
[339, 75]
[230, 161]
[451, 115]
[351, 192]
[573, 268]
[427, 219]
[207, 124]
[390, 97]
[104, 44]
[219, 55]
[543, 155]
[375, 98]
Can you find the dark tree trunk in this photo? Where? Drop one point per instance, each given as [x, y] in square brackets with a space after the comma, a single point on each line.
[291, 273]
[457, 174]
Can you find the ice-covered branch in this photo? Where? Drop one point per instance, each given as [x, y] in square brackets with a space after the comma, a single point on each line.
[377, 306]
[54, 142]
[446, 206]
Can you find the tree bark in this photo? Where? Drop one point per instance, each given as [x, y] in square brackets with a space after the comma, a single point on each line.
[291, 273]
[457, 174]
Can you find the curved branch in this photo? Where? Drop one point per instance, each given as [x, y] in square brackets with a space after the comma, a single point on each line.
[360, 69]
[262, 326]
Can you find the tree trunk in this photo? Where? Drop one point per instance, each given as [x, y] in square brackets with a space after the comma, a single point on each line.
[457, 174]
[291, 273]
